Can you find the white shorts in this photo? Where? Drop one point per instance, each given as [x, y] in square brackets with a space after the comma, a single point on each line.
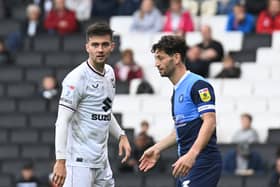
[89, 177]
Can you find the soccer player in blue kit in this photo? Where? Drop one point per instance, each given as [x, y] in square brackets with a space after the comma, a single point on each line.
[193, 109]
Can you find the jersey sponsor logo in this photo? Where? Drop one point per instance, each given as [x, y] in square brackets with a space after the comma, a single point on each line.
[62, 99]
[204, 95]
[95, 85]
[107, 104]
[186, 183]
[101, 117]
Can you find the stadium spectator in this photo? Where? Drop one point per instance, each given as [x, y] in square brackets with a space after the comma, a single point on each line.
[275, 177]
[141, 142]
[243, 161]
[128, 7]
[177, 20]
[226, 6]
[230, 69]
[147, 19]
[247, 133]
[5, 57]
[60, 19]
[269, 19]
[45, 5]
[200, 56]
[127, 69]
[239, 20]
[28, 178]
[49, 87]
[104, 8]
[33, 24]
[81, 8]
[254, 7]
[144, 88]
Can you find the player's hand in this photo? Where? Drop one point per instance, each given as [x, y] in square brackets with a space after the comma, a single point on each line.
[59, 173]
[124, 146]
[149, 159]
[183, 165]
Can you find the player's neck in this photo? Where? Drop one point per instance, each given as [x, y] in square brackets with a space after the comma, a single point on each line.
[99, 67]
[177, 75]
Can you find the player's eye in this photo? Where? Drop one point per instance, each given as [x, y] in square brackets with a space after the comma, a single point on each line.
[95, 45]
[105, 44]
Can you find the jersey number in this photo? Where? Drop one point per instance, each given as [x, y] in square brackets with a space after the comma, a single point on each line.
[107, 104]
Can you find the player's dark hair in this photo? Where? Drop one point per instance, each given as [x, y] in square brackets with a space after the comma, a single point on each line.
[99, 29]
[171, 44]
[249, 116]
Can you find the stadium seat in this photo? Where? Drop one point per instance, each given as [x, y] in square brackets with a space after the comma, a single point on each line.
[122, 87]
[74, 43]
[165, 88]
[133, 120]
[225, 148]
[35, 151]
[273, 136]
[144, 58]
[217, 85]
[215, 68]
[235, 39]
[60, 73]
[59, 59]
[19, 13]
[266, 88]
[255, 105]
[235, 87]
[43, 167]
[48, 136]
[11, 74]
[26, 90]
[267, 56]
[244, 55]
[267, 153]
[3, 136]
[2, 90]
[8, 27]
[28, 59]
[257, 181]
[273, 105]
[24, 136]
[134, 83]
[40, 121]
[251, 71]
[7, 105]
[225, 104]
[164, 122]
[6, 180]
[275, 69]
[47, 43]
[141, 42]
[128, 180]
[227, 125]
[121, 24]
[193, 38]
[12, 167]
[9, 152]
[159, 180]
[123, 104]
[156, 104]
[32, 106]
[10, 121]
[36, 74]
[230, 181]
[275, 40]
[254, 41]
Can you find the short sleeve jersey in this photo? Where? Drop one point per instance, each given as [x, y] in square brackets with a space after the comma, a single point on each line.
[90, 95]
[193, 96]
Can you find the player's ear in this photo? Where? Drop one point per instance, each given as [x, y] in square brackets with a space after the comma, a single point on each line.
[87, 47]
[177, 57]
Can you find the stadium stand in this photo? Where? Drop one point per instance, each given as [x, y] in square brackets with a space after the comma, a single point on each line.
[27, 121]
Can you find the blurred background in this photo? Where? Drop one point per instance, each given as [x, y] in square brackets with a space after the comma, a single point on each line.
[234, 44]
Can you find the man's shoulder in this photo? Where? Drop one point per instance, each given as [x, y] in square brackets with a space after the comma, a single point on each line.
[76, 75]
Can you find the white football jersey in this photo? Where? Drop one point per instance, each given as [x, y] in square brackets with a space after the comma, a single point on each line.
[90, 94]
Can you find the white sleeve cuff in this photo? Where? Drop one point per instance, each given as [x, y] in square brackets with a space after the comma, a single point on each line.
[115, 128]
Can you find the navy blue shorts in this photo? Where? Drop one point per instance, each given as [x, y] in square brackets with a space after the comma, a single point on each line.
[202, 175]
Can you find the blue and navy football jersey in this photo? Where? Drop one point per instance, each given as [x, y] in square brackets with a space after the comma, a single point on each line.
[192, 97]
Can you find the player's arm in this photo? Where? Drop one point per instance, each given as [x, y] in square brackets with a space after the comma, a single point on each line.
[203, 96]
[63, 119]
[151, 155]
[119, 134]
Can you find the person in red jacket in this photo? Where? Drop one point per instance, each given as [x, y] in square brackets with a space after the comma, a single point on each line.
[177, 20]
[269, 20]
[60, 19]
[126, 69]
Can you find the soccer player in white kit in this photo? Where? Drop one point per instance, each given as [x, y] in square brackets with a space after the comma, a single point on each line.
[85, 118]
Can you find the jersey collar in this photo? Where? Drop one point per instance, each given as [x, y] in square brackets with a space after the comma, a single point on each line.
[95, 71]
[181, 80]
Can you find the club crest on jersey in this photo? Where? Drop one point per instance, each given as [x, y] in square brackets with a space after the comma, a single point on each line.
[69, 90]
[204, 95]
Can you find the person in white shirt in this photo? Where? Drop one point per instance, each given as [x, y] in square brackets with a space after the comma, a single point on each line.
[85, 118]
